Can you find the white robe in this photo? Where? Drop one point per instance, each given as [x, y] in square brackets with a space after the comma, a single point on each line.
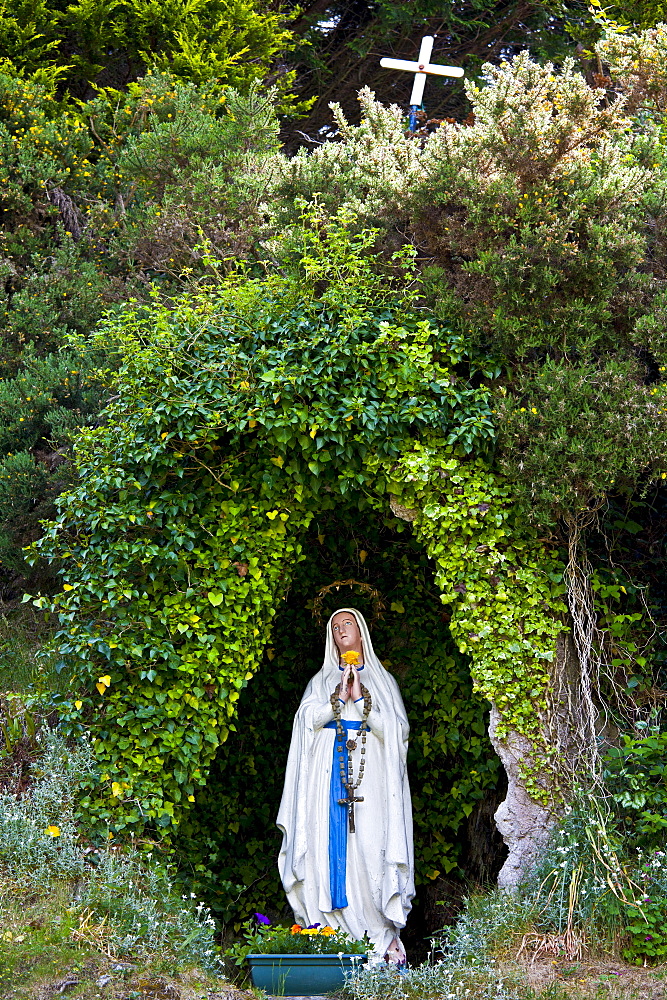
[379, 880]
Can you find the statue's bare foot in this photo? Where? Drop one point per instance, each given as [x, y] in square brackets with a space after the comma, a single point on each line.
[395, 955]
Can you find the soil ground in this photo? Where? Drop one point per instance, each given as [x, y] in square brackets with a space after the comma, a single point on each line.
[600, 979]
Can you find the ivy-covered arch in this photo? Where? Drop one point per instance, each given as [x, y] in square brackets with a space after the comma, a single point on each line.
[229, 835]
[237, 416]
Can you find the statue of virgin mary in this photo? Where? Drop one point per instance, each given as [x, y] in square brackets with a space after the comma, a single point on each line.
[349, 866]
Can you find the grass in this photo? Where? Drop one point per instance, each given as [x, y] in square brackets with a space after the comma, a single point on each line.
[514, 981]
[43, 954]
[25, 666]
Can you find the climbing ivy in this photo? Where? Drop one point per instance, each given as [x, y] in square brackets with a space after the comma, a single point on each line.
[505, 588]
[234, 416]
[229, 838]
[238, 415]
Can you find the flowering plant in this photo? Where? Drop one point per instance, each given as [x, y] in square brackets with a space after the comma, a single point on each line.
[351, 658]
[264, 938]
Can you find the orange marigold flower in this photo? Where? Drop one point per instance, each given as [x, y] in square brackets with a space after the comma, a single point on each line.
[295, 928]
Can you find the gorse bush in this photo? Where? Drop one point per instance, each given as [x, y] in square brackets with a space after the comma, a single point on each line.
[543, 198]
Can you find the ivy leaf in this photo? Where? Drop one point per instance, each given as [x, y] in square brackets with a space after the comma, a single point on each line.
[215, 598]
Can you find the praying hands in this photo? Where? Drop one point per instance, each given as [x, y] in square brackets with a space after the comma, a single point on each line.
[350, 684]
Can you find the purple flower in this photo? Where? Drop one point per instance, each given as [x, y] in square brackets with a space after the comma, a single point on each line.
[314, 927]
[649, 937]
[261, 919]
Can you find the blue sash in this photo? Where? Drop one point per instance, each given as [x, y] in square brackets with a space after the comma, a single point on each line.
[338, 822]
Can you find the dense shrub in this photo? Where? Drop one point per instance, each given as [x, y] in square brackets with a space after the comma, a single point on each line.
[96, 206]
[81, 47]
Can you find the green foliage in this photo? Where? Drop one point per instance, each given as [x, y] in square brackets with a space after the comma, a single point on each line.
[504, 587]
[576, 429]
[543, 197]
[94, 200]
[633, 13]
[25, 668]
[90, 44]
[636, 772]
[40, 410]
[646, 928]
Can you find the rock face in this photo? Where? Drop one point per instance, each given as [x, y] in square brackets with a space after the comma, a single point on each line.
[524, 824]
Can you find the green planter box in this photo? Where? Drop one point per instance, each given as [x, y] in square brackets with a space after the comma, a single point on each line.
[301, 975]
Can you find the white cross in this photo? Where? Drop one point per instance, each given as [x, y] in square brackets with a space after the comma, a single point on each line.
[421, 68]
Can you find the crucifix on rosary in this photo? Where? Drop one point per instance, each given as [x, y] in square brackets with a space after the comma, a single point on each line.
[349, 802]
[420, 68]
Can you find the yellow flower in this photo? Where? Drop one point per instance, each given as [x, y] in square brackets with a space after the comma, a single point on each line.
[53, 831]
[351, 657]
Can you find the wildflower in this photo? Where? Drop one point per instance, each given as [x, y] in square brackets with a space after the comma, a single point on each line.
[53, 831]
[261, 919]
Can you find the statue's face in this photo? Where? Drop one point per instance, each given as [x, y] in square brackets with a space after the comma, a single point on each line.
[345, 631]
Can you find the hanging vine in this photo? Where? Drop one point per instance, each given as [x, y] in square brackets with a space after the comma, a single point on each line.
[504, 587]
